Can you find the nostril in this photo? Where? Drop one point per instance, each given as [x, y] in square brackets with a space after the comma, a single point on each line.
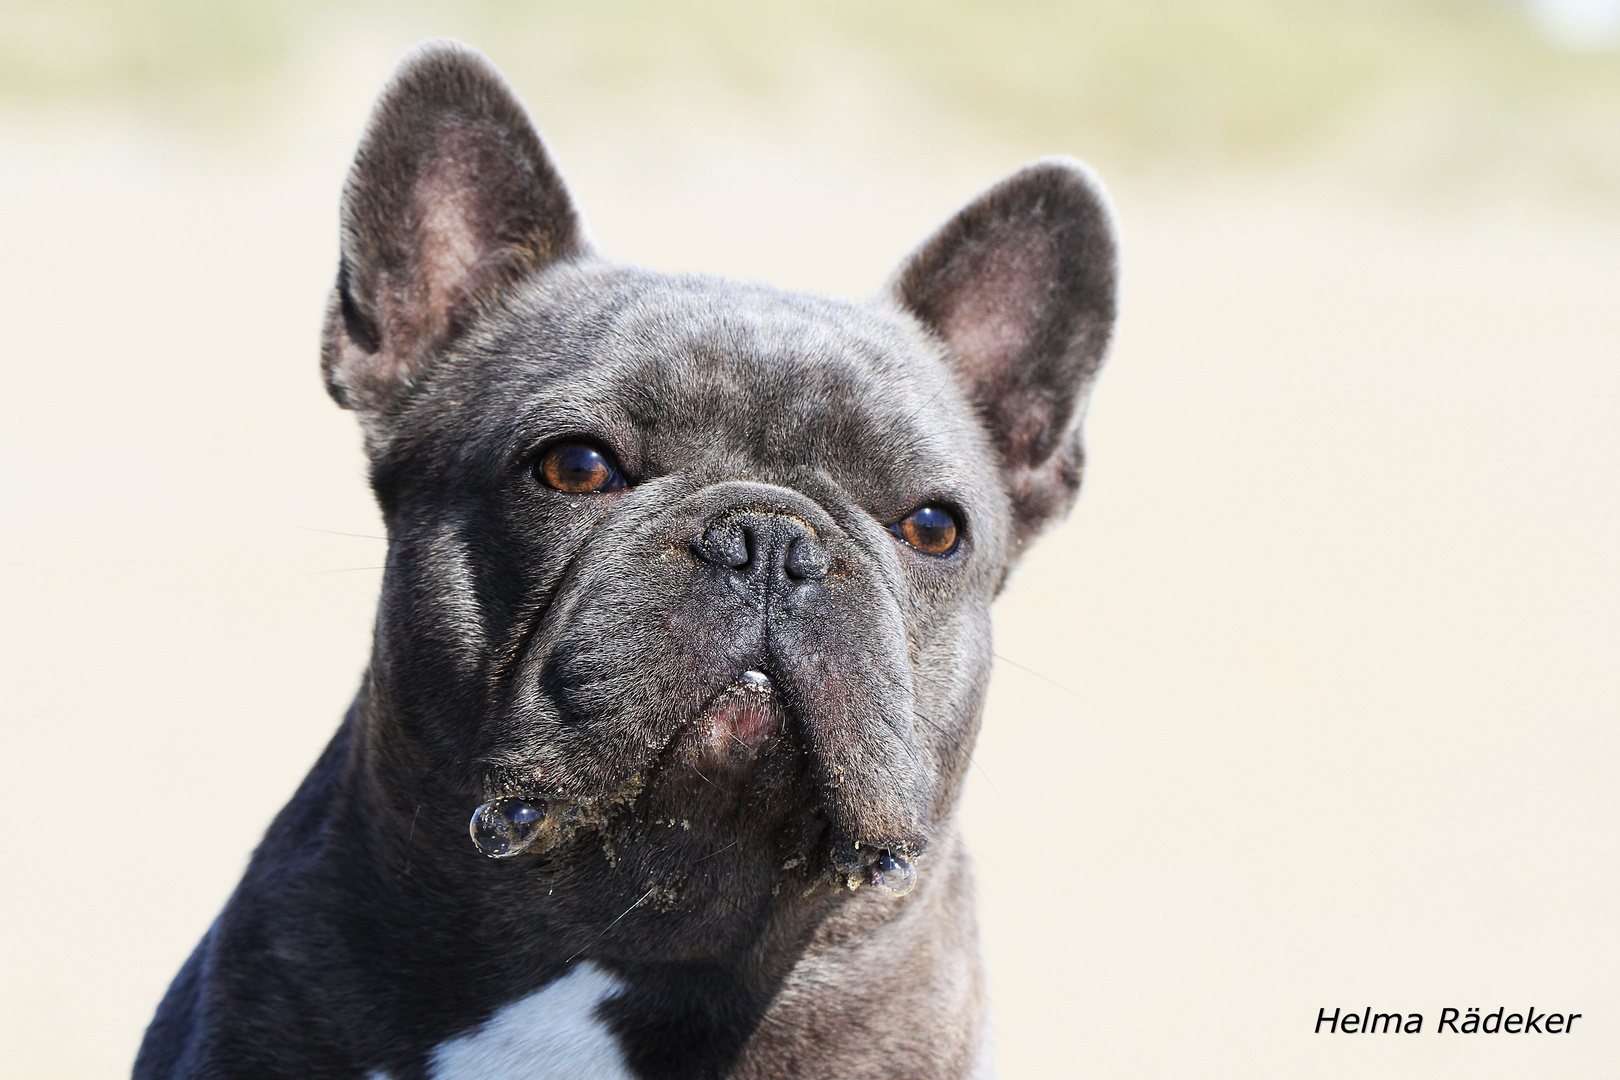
[805, 559]
[725, 546]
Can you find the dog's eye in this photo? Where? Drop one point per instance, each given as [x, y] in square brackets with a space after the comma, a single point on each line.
[577, 468]
[929, 529]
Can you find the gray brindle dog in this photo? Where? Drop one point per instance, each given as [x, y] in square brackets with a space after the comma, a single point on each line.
[686, 610]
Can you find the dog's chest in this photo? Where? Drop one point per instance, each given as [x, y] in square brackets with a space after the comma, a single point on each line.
[553, 1034]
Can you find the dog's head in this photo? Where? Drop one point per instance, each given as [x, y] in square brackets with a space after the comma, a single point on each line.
[704, 566]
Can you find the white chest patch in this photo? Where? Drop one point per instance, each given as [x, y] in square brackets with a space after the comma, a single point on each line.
[553, 1034]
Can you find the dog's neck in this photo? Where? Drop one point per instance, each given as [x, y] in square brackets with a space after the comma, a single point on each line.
[463, 935]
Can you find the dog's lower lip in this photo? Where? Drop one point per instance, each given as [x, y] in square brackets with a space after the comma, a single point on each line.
[743, 715]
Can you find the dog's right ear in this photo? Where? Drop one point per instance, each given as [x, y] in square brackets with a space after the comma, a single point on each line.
[1020, 288]
[450, 199]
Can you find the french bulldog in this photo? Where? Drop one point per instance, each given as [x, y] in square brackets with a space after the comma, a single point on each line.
[682, 642]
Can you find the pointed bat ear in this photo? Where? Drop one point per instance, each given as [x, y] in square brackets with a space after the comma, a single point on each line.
[451, 199]
[1020, 288]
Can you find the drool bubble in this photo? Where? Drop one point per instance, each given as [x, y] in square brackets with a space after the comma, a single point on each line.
[505, 827]
[892, 874]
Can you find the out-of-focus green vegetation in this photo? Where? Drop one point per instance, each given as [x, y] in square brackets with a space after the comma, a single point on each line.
[1177, 81]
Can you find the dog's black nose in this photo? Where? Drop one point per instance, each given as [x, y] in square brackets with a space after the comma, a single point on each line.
[764, 549]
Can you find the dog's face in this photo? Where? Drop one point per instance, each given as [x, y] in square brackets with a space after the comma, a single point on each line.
[705, 567]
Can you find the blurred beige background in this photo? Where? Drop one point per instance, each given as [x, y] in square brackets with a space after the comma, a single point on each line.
[1326, 697]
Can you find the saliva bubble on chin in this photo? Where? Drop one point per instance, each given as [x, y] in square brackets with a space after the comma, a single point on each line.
[892, 874]
[506, 826]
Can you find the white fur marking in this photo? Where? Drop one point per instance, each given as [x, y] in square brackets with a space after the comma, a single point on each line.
[553, 1034]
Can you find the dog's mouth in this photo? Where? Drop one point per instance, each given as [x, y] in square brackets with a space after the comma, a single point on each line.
[739, 723]
[734, 764]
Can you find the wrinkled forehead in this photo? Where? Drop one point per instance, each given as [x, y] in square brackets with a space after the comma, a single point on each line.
[676, 372]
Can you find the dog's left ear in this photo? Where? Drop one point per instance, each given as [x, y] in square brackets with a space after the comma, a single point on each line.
[451, 198]
[1020, 287]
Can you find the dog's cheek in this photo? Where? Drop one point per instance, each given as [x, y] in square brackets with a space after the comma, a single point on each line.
[448, 603]
[432, 645]
[953, 666]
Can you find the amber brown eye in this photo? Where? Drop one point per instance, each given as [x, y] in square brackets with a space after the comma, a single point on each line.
[577, 468]
[931, 530]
